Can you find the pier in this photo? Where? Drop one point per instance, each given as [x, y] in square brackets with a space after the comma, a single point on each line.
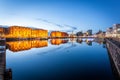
[2, 45]
[113, 47]
[5, 74]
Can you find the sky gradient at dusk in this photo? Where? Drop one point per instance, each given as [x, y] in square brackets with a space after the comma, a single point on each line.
[65, 15]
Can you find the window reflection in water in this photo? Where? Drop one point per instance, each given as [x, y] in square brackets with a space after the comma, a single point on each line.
[58, 41]
[89, 42]
[26, 45]
[16, 46]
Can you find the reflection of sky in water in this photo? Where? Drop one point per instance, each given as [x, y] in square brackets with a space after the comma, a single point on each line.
[64, 61]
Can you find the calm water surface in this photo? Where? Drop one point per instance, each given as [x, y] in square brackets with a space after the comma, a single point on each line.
[58, 60]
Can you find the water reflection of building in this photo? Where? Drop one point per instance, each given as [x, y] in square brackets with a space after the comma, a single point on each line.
[89, 42]
[79, 40]
[72, 39]
[58, 41]
[5, 74]
[26, 45]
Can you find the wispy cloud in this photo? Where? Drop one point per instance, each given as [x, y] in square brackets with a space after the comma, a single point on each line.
[74, 28]
[40, 19]
[64, 27]
[20, 20]
[51, 50]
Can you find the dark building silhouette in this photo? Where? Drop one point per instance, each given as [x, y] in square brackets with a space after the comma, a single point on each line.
[80, 33]
[89, 32]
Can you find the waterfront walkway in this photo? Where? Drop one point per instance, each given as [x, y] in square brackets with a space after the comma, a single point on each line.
[113, 47]
[115, 41]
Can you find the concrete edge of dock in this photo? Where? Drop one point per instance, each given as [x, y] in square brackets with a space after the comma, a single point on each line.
[114, 54]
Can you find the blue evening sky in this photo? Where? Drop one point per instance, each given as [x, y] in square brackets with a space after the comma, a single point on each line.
[65, 15]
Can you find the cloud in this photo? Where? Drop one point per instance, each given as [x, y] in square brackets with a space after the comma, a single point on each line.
[20, 20]
[51, 50]
[40, 19]
[71, 27]
[64, 27]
